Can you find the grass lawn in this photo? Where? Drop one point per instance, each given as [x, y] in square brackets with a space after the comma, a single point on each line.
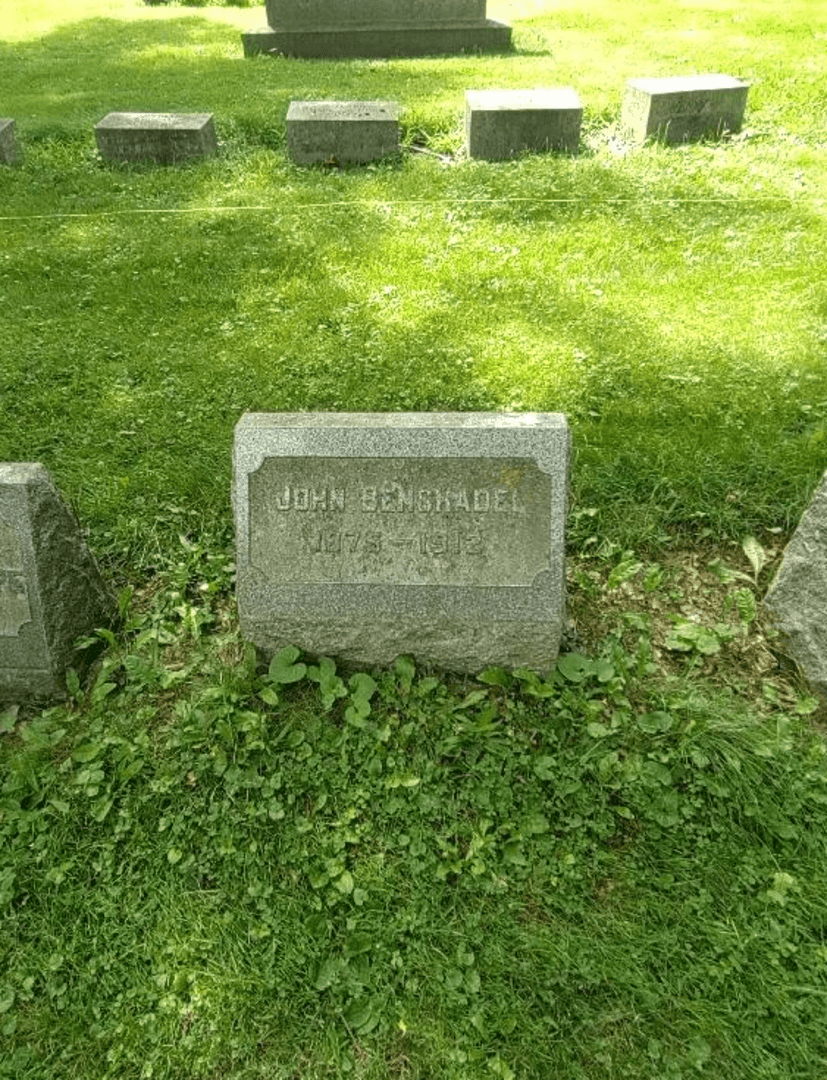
[213, 870]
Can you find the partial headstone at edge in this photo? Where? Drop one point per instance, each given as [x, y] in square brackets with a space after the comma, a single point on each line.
[365, 536]
[797, 598]
[8, 146]
[51, 592]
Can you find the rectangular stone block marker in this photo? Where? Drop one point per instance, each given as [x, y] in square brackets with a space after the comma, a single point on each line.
[502, 123]
[342, 131]
[365, 536]
[343, 28]
[683, 109]
[50, 590]
[8, 147]
[166, 138]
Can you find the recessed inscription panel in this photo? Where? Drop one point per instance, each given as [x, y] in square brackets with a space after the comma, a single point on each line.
[476, 522]
[14, 597]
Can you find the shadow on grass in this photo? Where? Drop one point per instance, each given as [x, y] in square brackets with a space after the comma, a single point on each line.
[194, 332]
[72, 76]
[67, 79]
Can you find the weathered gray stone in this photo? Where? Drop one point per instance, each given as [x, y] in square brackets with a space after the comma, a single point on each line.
[366, 536]
[8, 146]
[684, 108]
[50, 590]
[337, 14]
[502, 123]
[346, 28]
[166, 138]
[797, 598]
[342, 131]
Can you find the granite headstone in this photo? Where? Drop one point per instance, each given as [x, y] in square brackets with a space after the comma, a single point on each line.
[502, 123]
[682, 108]
[166, 138]
[366, 536]
[51, 592]
[797, 598]
[342, 131]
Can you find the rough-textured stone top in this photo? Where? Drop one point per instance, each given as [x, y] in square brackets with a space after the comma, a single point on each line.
[680, 84]
[522, 100]
[149, 121]
[312, 14]
[317, 423]
[20, 472]
[343, 111]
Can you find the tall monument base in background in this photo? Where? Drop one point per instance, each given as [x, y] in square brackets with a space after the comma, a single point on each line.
[327, 29]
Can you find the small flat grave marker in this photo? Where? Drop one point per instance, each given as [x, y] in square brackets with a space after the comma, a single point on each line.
[683, 108]
[367, 536]
[166, 138]
[502, 123]
[342, 131]
[8, 146]
[50, 590]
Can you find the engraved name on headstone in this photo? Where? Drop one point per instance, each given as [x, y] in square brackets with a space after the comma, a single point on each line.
[382, 521]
